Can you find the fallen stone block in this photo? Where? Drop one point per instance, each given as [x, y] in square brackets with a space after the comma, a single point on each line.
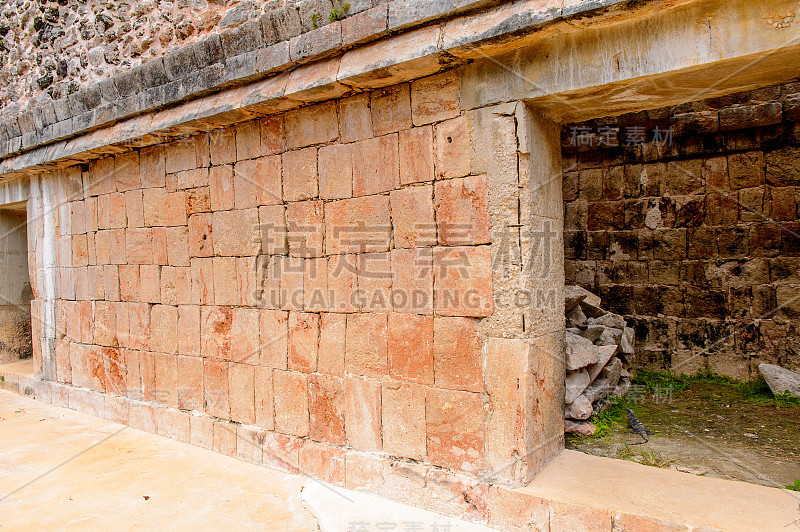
[580, 408]
[573, 295]
[780, 379]
[592, 332]
[593, 311]
[626, 342]
[575, 384]
[580, 352]
[622, 388]
[576, 317]
[605, 353]
[606, 382]
[610, 336]
[584, 428]
[610, 320]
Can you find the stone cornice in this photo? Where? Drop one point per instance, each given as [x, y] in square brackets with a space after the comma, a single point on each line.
[269, 65]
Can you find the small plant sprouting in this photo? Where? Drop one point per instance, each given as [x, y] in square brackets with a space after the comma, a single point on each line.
[339, 14]
[794, 486]
[315, 20]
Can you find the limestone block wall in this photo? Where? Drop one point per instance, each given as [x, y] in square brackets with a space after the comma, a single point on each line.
[315, 290]
[694, 239]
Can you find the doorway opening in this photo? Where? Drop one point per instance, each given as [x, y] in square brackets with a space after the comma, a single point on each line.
[15, 285]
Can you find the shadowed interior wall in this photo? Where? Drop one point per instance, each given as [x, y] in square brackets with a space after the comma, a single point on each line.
[694, 237]
[15, 286]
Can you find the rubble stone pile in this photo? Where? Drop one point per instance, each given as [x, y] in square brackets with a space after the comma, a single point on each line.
[597, 344]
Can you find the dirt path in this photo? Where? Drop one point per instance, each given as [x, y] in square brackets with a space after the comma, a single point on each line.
[708, 428]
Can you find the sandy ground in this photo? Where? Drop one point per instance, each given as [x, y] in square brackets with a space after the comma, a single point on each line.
[64, 470]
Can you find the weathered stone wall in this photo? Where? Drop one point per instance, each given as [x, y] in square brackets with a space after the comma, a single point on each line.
[695, 240]
[313, 280]
[51, 48]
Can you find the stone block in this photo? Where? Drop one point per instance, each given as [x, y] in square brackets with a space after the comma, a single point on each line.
[568, 516]
[454, 424]
[391, 109]
[134, 208]
[457, 354]
[317, 124]
[224, 441]
[376, 166]
[300, 175]
[342, 282]
[317, 43]
[366, 344]
[241, 386]
[143, 417]
[249, 444]
[374, 278]
[272, 135]
[416, 155]
[290, 274]
[412, 283]
[436, 98]
[164, 329]
[326, 409]
[236, 233]
[685, 177]
[215, 388]
[462, 213]
[323, 462]
[291, 402]
[305, 228]
[175, 285]
[190, 383]
[410, 348]
[315, 284]
[272, 222]
[160, 252]
[274, 338]
[303, 341]
[746, 169]
[257, 182]
[463, 281]
[365, 26]
[202, 281]
[453, 148]
[363, 472]
[516, 510]
[244, 344]
[362, 413]
[166, 379]
[357, 225]
[220, 180]
[413, 217]
[331, 343]
[264, 398]
[335, 172]
[750, 116]
[200, 235]
[783, 203]
[403, 415]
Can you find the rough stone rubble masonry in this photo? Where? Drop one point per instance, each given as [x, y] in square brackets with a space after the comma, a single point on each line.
[352, 268]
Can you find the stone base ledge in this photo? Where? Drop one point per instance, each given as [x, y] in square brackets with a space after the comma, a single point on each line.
[575, 492]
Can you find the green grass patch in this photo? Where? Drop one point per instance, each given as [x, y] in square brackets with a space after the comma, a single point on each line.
[795, 486]
[755, 391]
